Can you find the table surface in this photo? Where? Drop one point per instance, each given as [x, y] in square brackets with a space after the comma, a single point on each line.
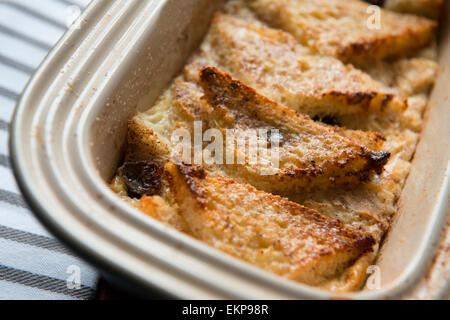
[33, 264]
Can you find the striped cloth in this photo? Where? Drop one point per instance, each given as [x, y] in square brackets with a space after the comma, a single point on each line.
[33, 265]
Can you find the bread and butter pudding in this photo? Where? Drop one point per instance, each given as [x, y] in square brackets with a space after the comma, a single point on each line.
[342, 103]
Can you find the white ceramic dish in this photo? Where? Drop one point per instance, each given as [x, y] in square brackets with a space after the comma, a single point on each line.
[67, 139]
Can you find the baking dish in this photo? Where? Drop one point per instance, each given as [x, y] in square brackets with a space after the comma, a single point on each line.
[68, 135]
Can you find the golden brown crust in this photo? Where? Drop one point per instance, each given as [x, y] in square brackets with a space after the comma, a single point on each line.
[329, 158]
[354, 277]
[371, 140]
[427, 8]
[336, 28]
[405, 77]
[279, 67]
[414, 76]
[266, 230]
[311, 154]
[158, 208]
[144, 143]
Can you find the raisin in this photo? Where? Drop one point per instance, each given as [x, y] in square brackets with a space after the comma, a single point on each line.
[141, 177]
[332, 121]
[376, 2]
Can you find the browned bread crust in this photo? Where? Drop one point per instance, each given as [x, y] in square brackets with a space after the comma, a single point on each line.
[279, 67]
[337, 28]
[310, 155]
[268, 231]
[427, 8]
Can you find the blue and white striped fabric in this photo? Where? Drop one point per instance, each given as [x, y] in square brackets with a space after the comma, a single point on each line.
[33, 265]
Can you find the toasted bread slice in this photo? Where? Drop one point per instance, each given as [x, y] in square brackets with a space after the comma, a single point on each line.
[347, 29]
[150, 133]
[158, 208]
[310, 154]
[367, 205]
[369, 139]
[405, 77]
[414, 76]
[267, 231]
[427, 8]
[282, 69]
[410, 79]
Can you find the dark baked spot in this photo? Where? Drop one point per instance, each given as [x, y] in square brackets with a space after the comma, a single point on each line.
[332, 121]
[192, 170]
[386, 99]
[141, 177]
[378, 159]
[379, 3]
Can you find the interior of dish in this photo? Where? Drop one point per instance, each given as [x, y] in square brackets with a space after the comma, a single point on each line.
[338, 87]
